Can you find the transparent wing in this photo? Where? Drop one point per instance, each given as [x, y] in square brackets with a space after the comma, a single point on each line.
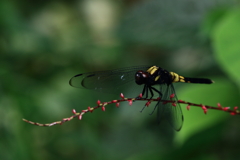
[173, 114]
[112, 81]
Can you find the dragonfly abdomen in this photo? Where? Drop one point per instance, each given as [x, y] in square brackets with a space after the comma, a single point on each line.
[198, 80]
[177, 78]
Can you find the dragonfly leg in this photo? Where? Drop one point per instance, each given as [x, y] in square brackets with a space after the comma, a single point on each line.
[150, 89]
[160, 95]
[157, 91]
[155, 108]
[145, 89]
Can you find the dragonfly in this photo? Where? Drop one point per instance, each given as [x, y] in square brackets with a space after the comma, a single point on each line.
[151, 81]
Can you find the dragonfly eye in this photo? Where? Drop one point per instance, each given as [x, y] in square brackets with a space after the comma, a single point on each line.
[141, 77]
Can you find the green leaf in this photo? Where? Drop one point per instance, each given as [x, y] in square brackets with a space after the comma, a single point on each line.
[212, 18]
[226, 44]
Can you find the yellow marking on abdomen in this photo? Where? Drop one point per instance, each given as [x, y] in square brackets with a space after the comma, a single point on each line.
[181, 79]
[176, 77]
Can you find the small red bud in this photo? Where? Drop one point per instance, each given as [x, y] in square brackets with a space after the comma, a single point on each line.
[130, 102]
[140, 95]
[174, 104]
[74, 111]
[235, 108]
[219, 105]
[225, 108]
[98, 102]
[205, 111]
[204, 108]
[172, 96]
[122, 96]
[114, 101]
[117, 104]
[80, 116]
[90, 109]
[232, 113]
[84, 111]
[148, 103]
[103, 108]
[188, 107]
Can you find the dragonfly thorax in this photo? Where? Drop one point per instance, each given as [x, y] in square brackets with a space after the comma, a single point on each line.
[159, 76]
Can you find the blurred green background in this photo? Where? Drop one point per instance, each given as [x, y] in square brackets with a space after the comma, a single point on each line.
[44, 43]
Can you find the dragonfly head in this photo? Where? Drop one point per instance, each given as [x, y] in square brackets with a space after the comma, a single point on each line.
[141, 77]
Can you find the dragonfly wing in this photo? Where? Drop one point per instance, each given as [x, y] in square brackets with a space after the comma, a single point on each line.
[112, 81]
[173, 114]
